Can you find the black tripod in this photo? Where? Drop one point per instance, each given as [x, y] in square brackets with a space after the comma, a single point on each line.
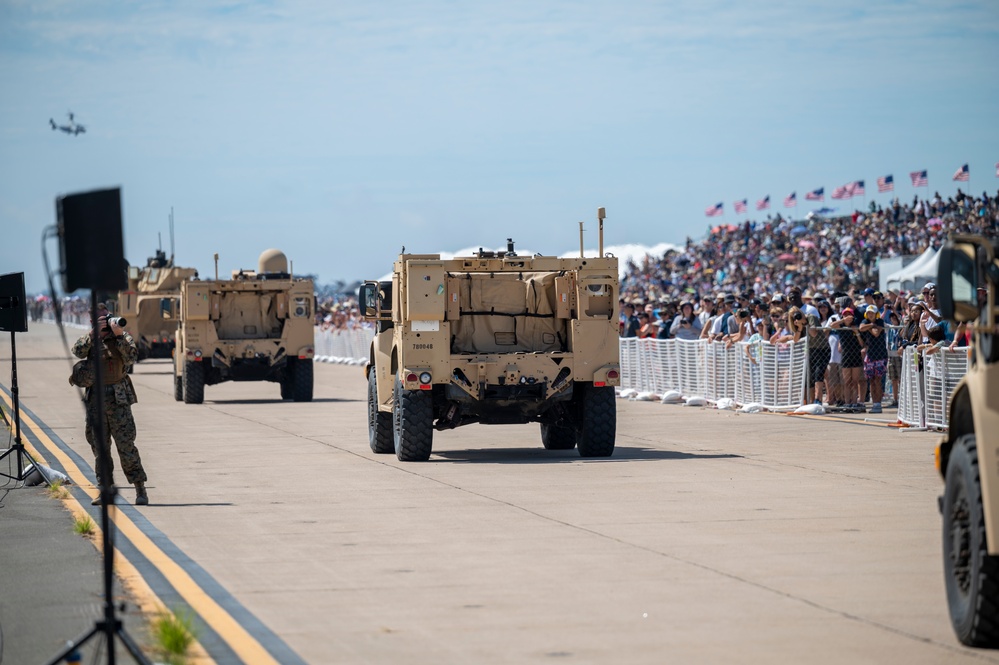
[110, 626]
[17, 450]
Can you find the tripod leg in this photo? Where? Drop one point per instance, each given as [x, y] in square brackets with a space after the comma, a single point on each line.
[132, 647]
[74, 645]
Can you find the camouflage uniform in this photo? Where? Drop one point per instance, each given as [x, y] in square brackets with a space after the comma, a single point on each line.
[120, 353]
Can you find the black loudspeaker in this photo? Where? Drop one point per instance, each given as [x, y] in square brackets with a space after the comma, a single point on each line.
[90, 241]
[13, 308]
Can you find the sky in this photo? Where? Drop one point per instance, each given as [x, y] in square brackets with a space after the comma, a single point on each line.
[340, 132]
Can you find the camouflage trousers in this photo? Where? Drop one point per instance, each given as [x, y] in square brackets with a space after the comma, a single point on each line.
[120, 425]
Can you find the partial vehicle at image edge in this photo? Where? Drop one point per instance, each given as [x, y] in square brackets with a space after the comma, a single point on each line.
[968, 456]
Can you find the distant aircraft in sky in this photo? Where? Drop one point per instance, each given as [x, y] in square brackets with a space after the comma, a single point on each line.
[73, 127]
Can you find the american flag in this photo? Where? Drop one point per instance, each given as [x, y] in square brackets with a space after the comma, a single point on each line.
[963, 174]
[740, 206]
[856, 188]
[887, 183]
[816, 194]
[842, 192]
[714, 211]
[764, 203]
[792, 199]
[919, 179]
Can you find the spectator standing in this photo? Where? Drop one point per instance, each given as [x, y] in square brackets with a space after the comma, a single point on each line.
[872, 332]
[631, 323]
[852, 360]
[686, 325]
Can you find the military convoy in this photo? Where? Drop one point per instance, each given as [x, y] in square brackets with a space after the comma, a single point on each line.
[968, 456]
[150, 304]
[257, 326]
[494, 338]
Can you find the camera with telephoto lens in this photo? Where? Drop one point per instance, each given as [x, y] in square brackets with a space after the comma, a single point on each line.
[114, 320]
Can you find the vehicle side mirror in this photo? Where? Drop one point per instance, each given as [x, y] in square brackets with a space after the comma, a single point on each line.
[367, 296]
[957, 282]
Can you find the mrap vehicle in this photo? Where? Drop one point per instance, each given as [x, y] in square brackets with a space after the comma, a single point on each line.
[257, 326]
[150, 304]
[968, 457]
[494, 338]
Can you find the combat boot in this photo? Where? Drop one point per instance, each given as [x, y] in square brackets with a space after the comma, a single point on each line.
[140, 494]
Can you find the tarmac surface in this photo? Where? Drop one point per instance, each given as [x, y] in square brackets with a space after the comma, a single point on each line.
[709, 536]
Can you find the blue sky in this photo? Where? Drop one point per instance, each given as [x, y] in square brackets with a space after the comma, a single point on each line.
[339, 132]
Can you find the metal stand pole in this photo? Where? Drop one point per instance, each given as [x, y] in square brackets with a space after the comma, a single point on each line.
[17, 450]
[110, 627]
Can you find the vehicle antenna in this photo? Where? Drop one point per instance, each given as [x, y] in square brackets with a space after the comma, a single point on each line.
[581, 240]
[171, 235]
[601, 213]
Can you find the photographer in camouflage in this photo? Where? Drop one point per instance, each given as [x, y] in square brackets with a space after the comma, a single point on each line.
[119, 353]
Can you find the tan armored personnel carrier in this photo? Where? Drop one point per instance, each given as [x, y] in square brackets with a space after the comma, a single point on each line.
[257, 326]
[150, 304]
[494, 338]
[968, 457]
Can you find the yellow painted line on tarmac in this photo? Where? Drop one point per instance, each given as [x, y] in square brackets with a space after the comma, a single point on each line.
[228, 629]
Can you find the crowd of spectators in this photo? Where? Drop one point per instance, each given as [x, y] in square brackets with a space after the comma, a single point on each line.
[338, 312]
[820, 253]
[780, 281]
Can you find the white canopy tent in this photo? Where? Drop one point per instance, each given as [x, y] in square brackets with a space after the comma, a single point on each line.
[917, 273]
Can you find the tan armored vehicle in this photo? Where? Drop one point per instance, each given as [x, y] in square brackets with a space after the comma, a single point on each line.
[150, 304]
[257, 326]
[968, 457]
[494, 338]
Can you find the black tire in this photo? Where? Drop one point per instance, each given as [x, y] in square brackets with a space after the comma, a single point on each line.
[412, 424]
[286, 379]
[194, 382]
[598, 421]
[301, 387]
[970, 574]
[178, 388]
[380, 435]
[557, 437]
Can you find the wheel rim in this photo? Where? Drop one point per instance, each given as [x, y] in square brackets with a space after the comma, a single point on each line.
[960, 541]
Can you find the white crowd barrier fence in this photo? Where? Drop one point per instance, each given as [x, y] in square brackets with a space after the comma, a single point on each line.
[771, 375]
[343, 345]
[927, 381]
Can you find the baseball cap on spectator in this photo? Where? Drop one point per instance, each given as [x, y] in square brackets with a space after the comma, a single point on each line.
[929, 285]
[847, 312]
[729, 298]
[777, 298]
[878, 294]
[808, 295]
[871, 311]
[756, 302]
[868, 291]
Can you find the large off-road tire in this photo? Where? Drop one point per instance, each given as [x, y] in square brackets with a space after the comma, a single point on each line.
[194, 382]
[412, 424]
[287, 378]
[380, 435]
[301, 387]
[598, 421]
[970, 574]
[557, 437]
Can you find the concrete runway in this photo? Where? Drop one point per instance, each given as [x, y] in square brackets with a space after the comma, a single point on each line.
[708, 537]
